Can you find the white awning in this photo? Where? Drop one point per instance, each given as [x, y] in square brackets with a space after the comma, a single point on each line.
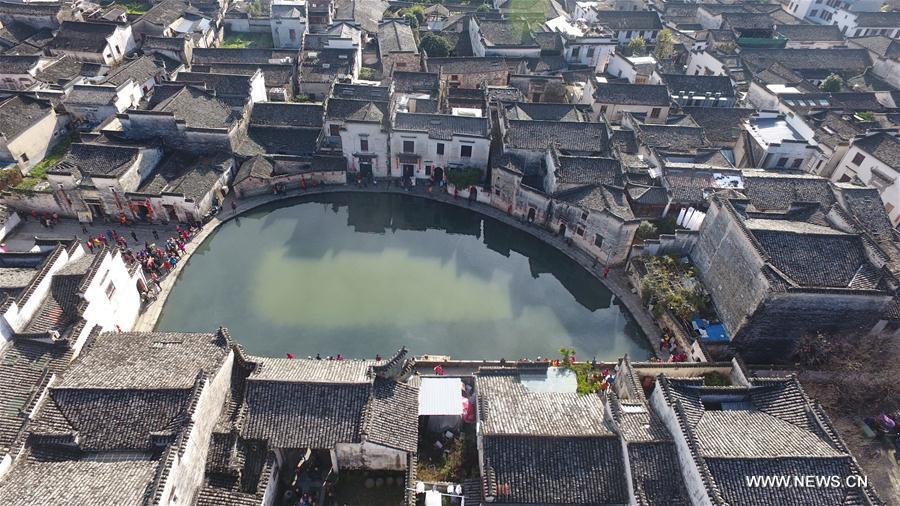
[440, 396]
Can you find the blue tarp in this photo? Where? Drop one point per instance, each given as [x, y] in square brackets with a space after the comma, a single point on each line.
[714, 331]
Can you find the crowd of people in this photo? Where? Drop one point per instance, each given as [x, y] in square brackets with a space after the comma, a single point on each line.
[157, 258]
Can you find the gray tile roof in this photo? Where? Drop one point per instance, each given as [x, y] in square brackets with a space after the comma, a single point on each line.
[257, 166]
[312, 371]
[56, 479]
[365, 13]
[881, 45]
[679, 83]
[233, 89]
[506, 407]
[441, 126]
[392, 415]
[78, 36]
[545, 112]
[357, 110]
[562, 470]
[205, 55]
[96, 159]
[182, 174]
[91, 95]
[675, 138]
[319, 403]
[632, 94]
[598, 198]
[882, 146]
[772, 191]
[763, 436]
[506, 34]
[25, 369]
[568, 137]
[19, 113]
[656, 475]
[275, 74]
[814, 256]
[145, 360]
[882, 19]
[18, 64]
[833, 60]
[140, 70]
[114, 419]
[729, 475]
[279, 140]
[197, 108]
[396, 37]
[583, 170]
[810, 33]
[458, 65]
[629, 20]
[66, 69]
[772, 429]
[287, 114]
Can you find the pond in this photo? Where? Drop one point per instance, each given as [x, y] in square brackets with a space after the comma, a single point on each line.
[360, 274]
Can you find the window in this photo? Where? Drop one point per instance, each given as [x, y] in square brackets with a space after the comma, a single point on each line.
[814, 13]
[579, 231]
[603, 109]
[654, 113]
[796, 164]
[584, 215]
[110, 290]
[454, 77]
[465, 151]
[782, 162]
[24, 158]
[889, 208]
[409, 146]
[628, 34]
[118, 51]
[440, 148]
[575, 51]
[428, 170]
[598, 240]
[590, 52]
[334, 130]
[293, 34]
[363, 144]
[858, 159]
[858, 31]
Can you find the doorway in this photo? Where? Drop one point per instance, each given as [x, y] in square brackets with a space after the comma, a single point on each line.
[531, 215]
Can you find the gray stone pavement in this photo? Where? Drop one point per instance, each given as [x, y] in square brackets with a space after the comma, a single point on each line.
[22, 238]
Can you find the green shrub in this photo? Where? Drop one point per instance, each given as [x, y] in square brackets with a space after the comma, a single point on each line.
[463, 177]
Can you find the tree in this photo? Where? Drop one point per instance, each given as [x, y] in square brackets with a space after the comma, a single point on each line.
[646, 230]
[483, 8]
[435, 45]
[832, 83]
[637, 46]
[418, 11]
[665, 44]
[555, 93]
[411, 19]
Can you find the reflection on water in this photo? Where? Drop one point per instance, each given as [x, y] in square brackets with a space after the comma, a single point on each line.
[364, 274]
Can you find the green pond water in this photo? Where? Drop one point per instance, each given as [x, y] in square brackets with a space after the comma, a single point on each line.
[360, 274]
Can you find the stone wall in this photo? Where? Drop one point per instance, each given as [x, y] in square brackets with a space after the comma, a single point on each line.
[772, 332]
[369, 456]
[730, 267]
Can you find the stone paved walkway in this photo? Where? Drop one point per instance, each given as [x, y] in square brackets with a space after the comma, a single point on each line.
[23, 239]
